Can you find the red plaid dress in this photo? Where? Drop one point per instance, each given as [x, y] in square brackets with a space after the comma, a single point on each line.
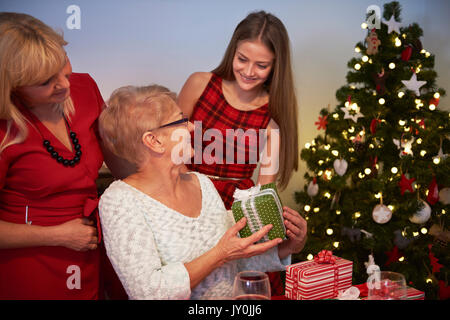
[240, 153]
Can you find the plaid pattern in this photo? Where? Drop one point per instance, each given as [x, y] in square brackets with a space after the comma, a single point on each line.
[214, 112]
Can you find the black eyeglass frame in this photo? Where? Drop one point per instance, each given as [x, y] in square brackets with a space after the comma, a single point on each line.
[173, 123]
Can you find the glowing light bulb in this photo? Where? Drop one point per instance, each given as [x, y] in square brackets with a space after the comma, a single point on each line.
[424, 230]
[401, 94]
[364, 25]
[365, 58]
[423, 153]
[357, 49]
[391, 65]
[398, 42]
[432, 107]
[335, 153]
[367, 171]
[381, 101]
[316, 209]
[357, 66]
[437, 95]
[394, 170]
[401, 259]
[402, 122]
[357, 214]
[419, 141]
[436, 160]
[306, 208]
[310, 257]
[427, 54]
[336, 244]
[329, 231]
[307, 145]
[327, 195]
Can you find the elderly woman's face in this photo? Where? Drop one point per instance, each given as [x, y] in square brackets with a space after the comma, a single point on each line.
[178, 129]
[54, 90]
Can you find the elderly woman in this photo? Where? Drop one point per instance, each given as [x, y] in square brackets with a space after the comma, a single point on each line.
[166, 230]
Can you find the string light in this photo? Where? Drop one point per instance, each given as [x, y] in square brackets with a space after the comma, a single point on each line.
[423, 153]
[367, 171]
[424, 230]
[365, 58]
[432, 107]
[307, 145]
[381, 101]
[436, 160]
[364, 25]
[391, 65]
[357, 66]
[437, 95]
[398, 42]
[357, 49]
[335, 153]
[338, 212]
[327, 195]
[401, 259]
[329, 231]
[401, 122]
[357, 214]
[401, 94]
[316, 209]
[307, 208]
[336, 244]
[429, 280]
[310, 257]
[394, 170]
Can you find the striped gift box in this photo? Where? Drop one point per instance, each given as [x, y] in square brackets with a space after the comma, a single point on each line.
[261, 205]
[310, 280]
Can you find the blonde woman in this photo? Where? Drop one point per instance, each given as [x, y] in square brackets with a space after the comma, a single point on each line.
[166, 231]
[49, 161]
[251, 90]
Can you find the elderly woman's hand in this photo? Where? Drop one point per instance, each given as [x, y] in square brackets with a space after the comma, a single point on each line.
[231, 247]
[296, 228]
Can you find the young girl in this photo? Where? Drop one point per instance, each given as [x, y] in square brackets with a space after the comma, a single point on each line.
[252, 89]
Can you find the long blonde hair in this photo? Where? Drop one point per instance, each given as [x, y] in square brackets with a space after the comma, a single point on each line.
[30, 53]
[268, 29]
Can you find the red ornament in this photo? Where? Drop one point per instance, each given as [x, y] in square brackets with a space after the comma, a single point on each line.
[393, 256]
[444, 290]
[373, 125]
[434, 101]
[433, 192]
[406, 53]
[434, 261]
[321, 123]
[406, 184]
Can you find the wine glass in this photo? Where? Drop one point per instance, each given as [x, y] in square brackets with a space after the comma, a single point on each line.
[251, 285]
[386, 285]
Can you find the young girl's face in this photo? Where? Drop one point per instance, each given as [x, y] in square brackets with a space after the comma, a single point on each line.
[252, 64]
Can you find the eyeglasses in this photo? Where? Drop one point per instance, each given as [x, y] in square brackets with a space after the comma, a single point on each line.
[173, 123]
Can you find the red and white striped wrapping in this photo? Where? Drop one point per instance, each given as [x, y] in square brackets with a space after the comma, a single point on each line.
[310, 280]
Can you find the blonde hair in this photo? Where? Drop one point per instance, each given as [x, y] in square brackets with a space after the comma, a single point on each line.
[130, 112]
[268, 29]
[30, 53]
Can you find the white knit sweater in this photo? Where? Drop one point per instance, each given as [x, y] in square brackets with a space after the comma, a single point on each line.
[148, 244]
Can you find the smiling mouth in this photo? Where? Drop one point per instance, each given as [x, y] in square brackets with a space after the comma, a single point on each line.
[247, 78]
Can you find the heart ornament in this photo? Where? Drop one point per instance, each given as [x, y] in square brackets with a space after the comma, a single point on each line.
[340, 166]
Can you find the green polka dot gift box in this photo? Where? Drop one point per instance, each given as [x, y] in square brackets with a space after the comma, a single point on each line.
[261, 205]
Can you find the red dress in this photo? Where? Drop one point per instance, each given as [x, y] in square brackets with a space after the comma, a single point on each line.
[213, 111]
[36, 188]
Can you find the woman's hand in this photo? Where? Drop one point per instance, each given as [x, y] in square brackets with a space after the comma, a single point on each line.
[78, 234]
[296, 229]
[231, 247]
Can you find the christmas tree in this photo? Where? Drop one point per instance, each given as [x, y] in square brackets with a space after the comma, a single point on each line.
[378, 178]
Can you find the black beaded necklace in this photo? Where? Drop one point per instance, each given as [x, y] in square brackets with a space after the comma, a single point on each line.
[76, 146]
